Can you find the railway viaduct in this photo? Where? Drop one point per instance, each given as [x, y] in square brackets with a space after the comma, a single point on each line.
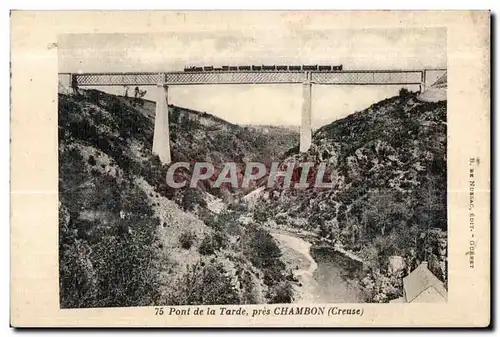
[162, 81]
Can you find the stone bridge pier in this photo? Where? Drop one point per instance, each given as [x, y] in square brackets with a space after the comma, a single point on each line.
[161, 138]
[306, 118]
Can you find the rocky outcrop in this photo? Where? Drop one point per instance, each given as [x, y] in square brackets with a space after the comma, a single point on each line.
[396, 265]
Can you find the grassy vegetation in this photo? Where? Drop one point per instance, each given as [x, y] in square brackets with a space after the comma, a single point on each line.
[107, 261]
[204, 284]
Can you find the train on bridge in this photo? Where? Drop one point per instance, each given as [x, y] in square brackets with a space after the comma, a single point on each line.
[263, 67]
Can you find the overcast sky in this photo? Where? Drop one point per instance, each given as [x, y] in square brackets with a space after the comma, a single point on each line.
[261, 104]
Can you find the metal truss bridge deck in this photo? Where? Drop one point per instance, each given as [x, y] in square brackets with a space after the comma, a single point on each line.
[354, 77]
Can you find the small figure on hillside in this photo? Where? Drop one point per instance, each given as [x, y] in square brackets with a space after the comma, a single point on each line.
[74, 85]
[137, 93]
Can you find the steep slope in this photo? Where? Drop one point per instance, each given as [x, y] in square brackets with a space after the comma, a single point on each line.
[388, 169]
[112, 221]
[126, 239]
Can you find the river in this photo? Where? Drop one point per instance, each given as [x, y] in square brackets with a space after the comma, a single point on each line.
[325, 276]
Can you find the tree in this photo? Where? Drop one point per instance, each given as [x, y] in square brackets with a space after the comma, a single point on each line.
[384, 211]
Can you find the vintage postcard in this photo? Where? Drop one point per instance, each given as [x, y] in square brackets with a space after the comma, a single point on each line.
[250, 169]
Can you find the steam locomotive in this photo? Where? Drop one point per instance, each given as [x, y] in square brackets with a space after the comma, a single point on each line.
[265, 68]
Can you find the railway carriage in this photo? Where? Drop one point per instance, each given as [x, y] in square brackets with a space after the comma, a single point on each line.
[310, 67]
[264, 67]
[305, 67]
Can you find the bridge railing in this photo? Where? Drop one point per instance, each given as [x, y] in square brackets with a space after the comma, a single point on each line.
[100, 79]
[368, 77]
[356, 77]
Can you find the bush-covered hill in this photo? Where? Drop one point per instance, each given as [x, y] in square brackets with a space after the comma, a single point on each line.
[126, 239]
[388, 168]
[202, 137]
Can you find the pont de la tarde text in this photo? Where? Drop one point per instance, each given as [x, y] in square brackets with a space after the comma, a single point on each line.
[277, 311]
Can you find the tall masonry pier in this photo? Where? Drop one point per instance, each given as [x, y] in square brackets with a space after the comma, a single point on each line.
[306, 117]
[161, 138]
[300, 75]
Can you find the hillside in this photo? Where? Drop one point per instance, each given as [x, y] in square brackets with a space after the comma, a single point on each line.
[202, 137]
[127, 239]
[388, 168]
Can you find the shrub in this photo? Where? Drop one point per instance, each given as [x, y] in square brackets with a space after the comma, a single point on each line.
[261, 215]
[204, 284]
[280, 293]
[186, 239]
[126, 272]
[207, 246]
[238, 207]
[94, 96]
[213, 243]
[91, 160]
[95, 173]
[404, 93]
[71, 170]
[192, 198]
[106, 270]
[264, 253]
[77, 279]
